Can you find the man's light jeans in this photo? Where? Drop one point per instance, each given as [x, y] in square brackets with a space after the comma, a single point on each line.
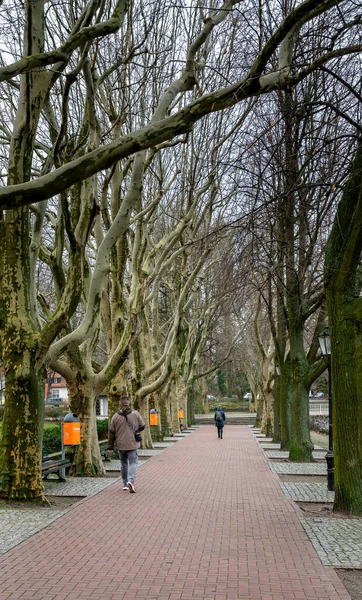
[129, 464]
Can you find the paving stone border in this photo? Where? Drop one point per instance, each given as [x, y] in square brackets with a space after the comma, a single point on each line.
[150, 451]
[307, 492]
[317, 454]
[112, 465]
[269, 446]
[338, 542]
[16, 525]
[157, 445]
[290, 468]
[78, 486]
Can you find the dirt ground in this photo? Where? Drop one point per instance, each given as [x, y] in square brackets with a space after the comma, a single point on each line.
[322, 509]
[352, 580]
[56, 502]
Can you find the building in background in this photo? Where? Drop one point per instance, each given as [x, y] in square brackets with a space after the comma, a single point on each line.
[56, 387]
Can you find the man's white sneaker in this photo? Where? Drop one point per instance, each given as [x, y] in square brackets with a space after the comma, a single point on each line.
[131, 487]
[125, 488]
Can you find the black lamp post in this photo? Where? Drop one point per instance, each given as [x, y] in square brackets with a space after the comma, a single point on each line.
[325, 345]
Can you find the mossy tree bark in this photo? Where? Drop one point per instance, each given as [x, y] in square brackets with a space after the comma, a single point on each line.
[20, 472]
[285, 404]
[87, 460]
[343, 287]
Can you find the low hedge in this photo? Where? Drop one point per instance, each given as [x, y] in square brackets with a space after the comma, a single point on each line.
[230, 407]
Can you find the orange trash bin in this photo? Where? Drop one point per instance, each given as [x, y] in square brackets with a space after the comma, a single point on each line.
[153, 417]
[71, 430]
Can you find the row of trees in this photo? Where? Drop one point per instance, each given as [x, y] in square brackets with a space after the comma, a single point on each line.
[170, 176]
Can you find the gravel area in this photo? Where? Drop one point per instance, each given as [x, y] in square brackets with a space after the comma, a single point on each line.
[290, 468]
[338, 542]
[307, 492]
[16, 525]
[151, 452]
[157, 445]
[317, 454]
[269, 446]
[77, 486]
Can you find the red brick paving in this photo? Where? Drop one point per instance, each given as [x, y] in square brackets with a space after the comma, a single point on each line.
[209, 521]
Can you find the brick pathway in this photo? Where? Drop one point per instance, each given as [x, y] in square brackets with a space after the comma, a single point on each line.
[209, 521]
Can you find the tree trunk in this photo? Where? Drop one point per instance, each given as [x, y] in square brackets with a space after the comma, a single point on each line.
[259, 410]
[300, 442]
[22, 429]
[21, 453]
[20, 470]
[268, 396]
[276, 425]
[285, 405]
[87, 461]
[165, 413]
[344, 304]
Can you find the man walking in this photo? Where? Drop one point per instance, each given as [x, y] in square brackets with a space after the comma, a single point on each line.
[124, 429]
[219, 418]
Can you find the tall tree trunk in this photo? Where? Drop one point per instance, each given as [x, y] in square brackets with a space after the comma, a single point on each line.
[276, 425]
[301, 446]
[344, 304]
[22, 429]
[285, 404]
[20, 469]
[87, 461]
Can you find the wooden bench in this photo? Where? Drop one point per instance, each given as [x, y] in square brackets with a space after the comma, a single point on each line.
[104, 454]
[50, 465]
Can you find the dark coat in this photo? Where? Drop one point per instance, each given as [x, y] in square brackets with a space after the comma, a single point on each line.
[220, 423]
[121, 433]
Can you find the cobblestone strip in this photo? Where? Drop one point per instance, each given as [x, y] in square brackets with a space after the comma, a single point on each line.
[338, 542]
[269, 446]
[77, 486]
[157, 445]
[289, 468]
[16, 525]
[150, 452]
[317, 454]
[307, 492]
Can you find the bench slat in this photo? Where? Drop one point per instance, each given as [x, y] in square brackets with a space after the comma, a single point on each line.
[54, 466]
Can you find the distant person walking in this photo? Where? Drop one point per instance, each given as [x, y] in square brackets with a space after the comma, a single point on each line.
[125, 429]
[219, 418]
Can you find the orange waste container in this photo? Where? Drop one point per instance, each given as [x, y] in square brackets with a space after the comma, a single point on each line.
[71, 430]
[153, 417]
[180, 413]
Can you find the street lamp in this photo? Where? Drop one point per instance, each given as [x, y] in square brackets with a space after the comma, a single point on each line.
[325, 346]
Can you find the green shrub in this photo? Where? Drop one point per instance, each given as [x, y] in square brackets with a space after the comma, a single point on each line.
[52, 441]
[102, 428]
[156, 434]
